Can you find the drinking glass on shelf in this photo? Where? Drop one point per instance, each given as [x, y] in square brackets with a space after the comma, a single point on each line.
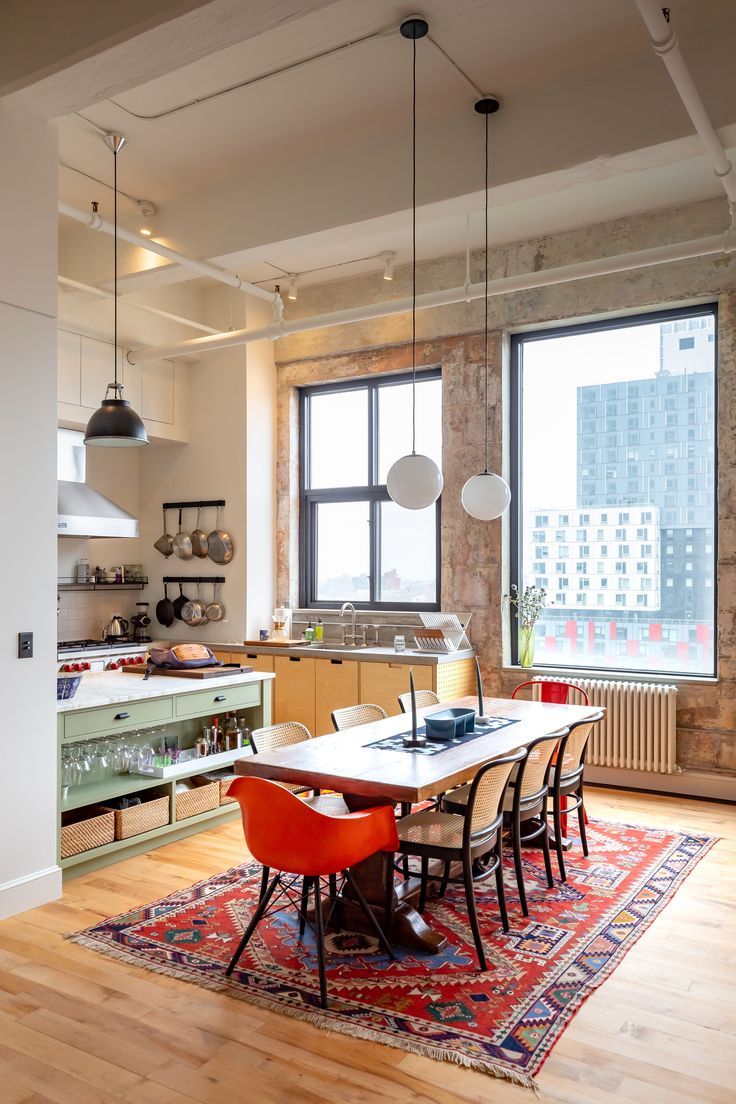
[100, 764]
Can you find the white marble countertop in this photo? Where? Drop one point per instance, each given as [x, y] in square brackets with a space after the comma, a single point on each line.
[107, 687]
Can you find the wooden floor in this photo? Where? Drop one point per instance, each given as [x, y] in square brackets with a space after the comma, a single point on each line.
[79, 1028]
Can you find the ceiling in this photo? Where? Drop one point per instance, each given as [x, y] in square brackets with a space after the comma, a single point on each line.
[307, 170]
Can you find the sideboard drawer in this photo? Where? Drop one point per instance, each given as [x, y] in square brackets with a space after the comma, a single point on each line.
[116, 718]
[221, 700]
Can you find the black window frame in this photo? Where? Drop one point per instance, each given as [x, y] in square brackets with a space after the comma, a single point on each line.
[623, 321]
[373, 492]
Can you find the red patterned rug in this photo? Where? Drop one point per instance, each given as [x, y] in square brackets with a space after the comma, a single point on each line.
[504, 1022]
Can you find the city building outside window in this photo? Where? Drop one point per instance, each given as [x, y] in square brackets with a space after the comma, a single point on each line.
[356, 544]
[639, 477]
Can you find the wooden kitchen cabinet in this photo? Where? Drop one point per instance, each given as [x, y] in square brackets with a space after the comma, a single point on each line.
[381, 683]
[257, 662]
[336, 686]
[295, 690]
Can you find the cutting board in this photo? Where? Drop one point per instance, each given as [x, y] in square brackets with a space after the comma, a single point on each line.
[274, 643]
[188, 672]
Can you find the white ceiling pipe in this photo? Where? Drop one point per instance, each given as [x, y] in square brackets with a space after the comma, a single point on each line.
[527, 281]
[102, 293]
[204, 268]
[665, 43]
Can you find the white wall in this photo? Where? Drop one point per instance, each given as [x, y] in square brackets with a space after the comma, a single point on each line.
[28, 231]
[230, 456]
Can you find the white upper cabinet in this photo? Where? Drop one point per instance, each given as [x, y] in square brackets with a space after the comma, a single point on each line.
[157, 389]
[98, 370]
[70, 368]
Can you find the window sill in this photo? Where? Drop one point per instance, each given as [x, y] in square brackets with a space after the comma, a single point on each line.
[618, 676]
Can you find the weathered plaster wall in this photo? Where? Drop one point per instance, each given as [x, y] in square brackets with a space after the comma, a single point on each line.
[472, 561]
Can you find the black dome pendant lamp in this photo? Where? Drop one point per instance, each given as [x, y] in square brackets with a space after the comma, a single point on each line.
[115, 424]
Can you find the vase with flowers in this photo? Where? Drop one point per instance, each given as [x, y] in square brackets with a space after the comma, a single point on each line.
[529, 604]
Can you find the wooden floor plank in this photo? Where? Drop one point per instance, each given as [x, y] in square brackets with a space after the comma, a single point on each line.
[79, 1028]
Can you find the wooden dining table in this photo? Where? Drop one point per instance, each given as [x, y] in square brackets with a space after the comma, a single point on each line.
[367, 776]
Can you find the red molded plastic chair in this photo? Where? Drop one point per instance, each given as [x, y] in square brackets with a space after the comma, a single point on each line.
[557, 693]
[287, 835]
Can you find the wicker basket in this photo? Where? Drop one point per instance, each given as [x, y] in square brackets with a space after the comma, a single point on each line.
[85, 829]
[151, 813]
[224, 785]
[200, 799]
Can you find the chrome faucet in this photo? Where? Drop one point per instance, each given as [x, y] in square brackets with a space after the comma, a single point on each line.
[348, 607]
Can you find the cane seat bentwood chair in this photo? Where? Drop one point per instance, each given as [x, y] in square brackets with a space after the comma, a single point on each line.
[557, 693]
[565, 782]
[433, 834]
[424, 698]
[286, 835]
[525, 803]
[353, 715]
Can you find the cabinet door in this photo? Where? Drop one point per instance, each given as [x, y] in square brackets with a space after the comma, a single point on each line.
[220, 654]
[157, 391]
[336, 686]
[251, 659]
[98, 369]
[70, 367]
[381, 683]
[294, 690]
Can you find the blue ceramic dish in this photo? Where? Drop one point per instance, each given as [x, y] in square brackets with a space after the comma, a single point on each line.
[67, 686]
[449, 723]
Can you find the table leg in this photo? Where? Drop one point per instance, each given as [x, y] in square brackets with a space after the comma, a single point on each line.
[407, 926]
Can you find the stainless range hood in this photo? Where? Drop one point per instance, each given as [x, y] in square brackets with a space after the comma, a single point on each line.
[83, 511]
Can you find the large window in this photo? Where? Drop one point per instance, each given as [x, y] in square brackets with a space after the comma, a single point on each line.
[356, 544]
[614, 490]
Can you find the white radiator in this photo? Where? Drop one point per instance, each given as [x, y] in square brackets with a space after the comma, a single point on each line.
[639, 729]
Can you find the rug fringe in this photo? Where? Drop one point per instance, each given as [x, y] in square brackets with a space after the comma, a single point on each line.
[318, 1019]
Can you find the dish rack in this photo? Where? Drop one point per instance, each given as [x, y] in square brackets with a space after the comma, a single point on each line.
[442, 632]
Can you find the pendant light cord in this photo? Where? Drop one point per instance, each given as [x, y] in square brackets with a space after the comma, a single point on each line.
[414, 250]
[115, 276]
[485, 299]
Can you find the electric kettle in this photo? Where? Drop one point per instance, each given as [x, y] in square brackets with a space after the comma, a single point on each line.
[116, 629]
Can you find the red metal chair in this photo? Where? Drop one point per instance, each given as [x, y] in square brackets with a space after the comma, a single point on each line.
[557, 693]
[287, 835]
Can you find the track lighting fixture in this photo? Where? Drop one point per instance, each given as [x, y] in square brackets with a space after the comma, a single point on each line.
[292, 290]
[146, 210]
[388, 259]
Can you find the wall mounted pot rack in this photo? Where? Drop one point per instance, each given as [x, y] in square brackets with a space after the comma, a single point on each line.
[194, 579]
[195, 504]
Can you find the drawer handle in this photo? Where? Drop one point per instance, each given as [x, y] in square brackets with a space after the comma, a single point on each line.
[295, 659]
[220, 697]
[121, 716]
[336, 662]
[253, 656]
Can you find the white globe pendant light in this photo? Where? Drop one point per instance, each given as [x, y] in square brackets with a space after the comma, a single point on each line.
[486, 496]
[414, 481]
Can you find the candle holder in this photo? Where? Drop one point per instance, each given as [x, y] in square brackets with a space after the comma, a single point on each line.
[413, 739]
[479, 684]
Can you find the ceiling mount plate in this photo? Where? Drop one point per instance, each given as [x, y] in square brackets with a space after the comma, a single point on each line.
[488, 105]
[414, 27]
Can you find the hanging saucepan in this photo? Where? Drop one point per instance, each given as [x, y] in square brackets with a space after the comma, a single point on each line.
[165, 543]
[215, 610]
[200, 543]
[182, 543]
[193, 613]
[220, 544]
[165, 609]
[179, 603]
